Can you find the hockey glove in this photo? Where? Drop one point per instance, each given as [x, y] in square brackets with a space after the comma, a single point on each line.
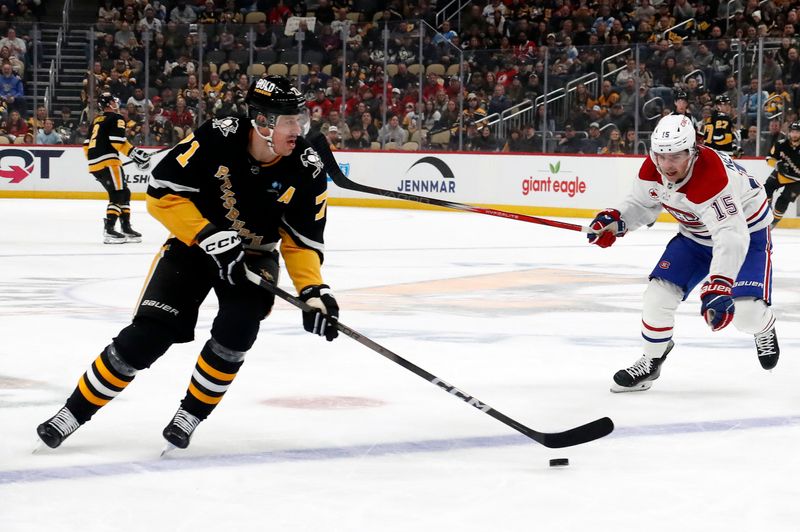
[225, 247]
[607, 226]
[140, 158]
[321, 321]
[717, 304]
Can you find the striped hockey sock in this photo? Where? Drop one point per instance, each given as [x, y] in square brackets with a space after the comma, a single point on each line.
[105, 379]
[214, 372]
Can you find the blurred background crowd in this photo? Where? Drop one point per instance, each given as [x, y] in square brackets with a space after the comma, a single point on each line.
[556, 76]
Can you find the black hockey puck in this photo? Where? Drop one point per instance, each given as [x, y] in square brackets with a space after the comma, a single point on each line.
[559, 462]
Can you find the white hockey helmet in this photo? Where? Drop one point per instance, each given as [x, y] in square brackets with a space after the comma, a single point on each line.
[673, 134]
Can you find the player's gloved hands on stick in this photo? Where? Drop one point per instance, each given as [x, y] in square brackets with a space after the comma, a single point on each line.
[140, 158]
[323, 320]
[607, 226]
[225, 247]
[717, 304]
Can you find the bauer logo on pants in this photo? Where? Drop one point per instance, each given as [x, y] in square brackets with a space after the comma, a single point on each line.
[17, 163]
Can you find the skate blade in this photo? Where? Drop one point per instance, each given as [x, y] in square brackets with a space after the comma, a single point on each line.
[168, 449]
[113, 241]
[39, 447]
[133, 239]
[641, 387]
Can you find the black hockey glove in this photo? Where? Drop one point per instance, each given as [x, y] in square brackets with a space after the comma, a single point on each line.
[323, 320]
[225, 247]
[140, 158]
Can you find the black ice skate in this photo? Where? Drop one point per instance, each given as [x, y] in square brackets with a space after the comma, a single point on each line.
[56, 429]
[641, 375]
[767, 349]
[110, 235]
[179, 431]
[130, 234]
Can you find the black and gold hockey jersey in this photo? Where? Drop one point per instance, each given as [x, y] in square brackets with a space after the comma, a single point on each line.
[106, 142]
[785, 157]
[719, 133]
[210, 177]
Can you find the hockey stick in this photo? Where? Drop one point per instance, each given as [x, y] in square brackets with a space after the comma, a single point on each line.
[332, 168]
[153, 153]
[554, 440]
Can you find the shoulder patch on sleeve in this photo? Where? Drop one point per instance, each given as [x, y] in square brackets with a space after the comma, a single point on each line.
[709, 177]
[648, 171]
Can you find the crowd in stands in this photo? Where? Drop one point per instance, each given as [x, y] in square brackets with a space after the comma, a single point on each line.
[200, 52]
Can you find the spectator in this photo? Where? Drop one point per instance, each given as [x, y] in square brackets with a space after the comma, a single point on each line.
[499, 102]
[514, 143]
[614, 146]
[368, 126]
[14, 126]
[430, 116]
[753, 102]
[230, 76]
[321, 101]
[149, 22]
[181, 116]
[80, 134]
[48, 134]
[392, 132]
[226, 105]
[357, 141]
[123, 36]
[214, 85]
[486, 141]
[749, 143]
[182, 14]
[333, 137]
[65, 125]
[17, 66]
[569, 142]
[593, 144]
[531, 141]
[772, 137]
[335, 119]
[139, 100]
[16, 45]
[11, 90]
[36, 122]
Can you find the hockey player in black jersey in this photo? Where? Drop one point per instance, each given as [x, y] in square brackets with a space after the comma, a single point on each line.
[784, 157]
[718, 130]
[681, 99]
[232, 193]
[102, 148]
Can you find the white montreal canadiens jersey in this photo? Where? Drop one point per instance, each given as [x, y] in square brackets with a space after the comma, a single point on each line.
[717, 205]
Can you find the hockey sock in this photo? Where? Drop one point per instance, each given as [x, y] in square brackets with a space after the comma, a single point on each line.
[214, 372]
[108, 375]
[125, 215]
[660, 302]
[113, 211]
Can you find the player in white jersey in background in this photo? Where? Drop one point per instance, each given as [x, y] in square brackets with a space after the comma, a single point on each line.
[724, 235]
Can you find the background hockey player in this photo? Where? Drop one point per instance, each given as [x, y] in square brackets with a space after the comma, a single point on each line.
[229, 193]
[723, 237]
[719, 132]
[681, 99]
[102, 149]
[785, 158]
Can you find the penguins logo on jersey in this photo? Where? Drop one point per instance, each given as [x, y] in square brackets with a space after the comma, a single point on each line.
[310, 158]
[226, 125]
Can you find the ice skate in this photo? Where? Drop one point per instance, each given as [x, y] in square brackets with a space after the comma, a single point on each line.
[767, 349]
[641, 375]
[179, 431]
[130, 234]
[110, 235]
[55, 430]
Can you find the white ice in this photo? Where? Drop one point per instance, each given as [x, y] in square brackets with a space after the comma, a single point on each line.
[319, 436]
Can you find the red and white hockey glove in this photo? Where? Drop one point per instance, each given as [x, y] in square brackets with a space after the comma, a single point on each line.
[717, 304]
[607, 226]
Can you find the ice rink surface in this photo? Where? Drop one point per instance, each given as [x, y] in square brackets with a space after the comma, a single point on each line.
[317, 436]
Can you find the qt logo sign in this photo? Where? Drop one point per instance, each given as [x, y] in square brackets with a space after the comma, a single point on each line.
[16, 164]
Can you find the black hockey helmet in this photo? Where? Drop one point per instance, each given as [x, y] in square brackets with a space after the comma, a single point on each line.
[106, 99]
[680, 94]
[274, 95]
[722, 98]
[795, 126]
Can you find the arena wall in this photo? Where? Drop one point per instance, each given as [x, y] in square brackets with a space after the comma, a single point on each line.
[543, 185]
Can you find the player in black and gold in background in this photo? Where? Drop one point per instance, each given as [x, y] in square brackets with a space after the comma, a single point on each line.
[718, 129]
[102, 148]
[784, 157]
[231, 194]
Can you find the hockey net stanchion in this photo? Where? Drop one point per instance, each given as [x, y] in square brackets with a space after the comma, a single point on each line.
[341, 180]
[554, 440]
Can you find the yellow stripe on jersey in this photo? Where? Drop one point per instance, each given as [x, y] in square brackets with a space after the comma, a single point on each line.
[200, 396]
[179, 215]
[88, 395]
[302, 263]
[785, 180]
[108, 163]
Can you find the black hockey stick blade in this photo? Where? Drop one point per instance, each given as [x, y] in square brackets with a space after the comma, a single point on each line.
[320, 144]
[583, 434]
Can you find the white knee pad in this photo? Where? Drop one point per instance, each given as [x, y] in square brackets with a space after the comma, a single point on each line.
[752, 315]
[661, 300]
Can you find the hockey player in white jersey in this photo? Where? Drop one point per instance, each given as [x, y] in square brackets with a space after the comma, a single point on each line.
[723, 239]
